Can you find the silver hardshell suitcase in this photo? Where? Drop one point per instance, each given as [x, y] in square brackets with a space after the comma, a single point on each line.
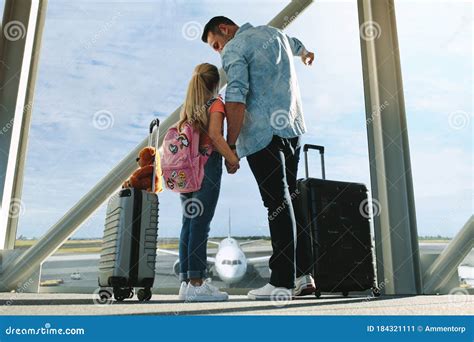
[129, 246]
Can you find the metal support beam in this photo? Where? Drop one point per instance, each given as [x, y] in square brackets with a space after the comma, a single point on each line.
[396, 235]
[443, 268]
[20, 43]
[26, 264]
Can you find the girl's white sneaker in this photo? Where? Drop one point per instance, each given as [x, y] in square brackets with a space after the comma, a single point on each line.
[182, 290]
[204, 293]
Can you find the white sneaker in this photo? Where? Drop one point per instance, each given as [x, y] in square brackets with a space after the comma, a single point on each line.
[304, 285]
[270, 292]
[182, 290]
[204, 293]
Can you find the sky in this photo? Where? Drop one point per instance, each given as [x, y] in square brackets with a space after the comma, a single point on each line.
[132, 61]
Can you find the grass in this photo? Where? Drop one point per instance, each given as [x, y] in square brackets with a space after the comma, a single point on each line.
[91, 246]
[94, 246]
[435, 241]
[70, 246]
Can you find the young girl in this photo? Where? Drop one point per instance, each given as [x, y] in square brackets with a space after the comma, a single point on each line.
[206, 112]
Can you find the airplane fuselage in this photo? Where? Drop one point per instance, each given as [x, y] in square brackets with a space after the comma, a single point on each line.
[231, 263]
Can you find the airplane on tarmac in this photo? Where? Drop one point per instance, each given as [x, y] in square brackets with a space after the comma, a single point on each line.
[230, 262]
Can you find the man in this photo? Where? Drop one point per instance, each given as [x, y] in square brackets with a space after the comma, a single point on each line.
[265, 122]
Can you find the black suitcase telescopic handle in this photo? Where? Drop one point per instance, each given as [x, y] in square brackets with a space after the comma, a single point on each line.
[307, 147]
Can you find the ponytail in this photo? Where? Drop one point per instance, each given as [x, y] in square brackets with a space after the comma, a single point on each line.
[202, 87]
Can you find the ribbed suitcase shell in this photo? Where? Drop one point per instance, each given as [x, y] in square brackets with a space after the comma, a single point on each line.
[129, 245]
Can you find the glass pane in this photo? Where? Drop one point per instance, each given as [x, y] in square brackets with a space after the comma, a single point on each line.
[108, 67]
[436, 62]
[2, 7]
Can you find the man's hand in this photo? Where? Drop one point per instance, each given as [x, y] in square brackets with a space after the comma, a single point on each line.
[233, 165]
[308, 58]
[232, 168]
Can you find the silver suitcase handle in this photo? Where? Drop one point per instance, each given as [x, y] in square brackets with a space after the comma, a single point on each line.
[154, 123]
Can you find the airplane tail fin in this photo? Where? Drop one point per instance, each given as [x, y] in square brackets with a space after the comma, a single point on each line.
[229, 225]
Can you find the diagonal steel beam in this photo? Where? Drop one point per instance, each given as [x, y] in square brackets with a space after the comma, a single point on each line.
[446, 264]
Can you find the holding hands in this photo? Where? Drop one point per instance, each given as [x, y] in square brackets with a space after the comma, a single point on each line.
[233, 163]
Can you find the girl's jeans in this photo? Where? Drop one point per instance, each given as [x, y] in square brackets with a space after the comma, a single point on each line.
[198, 211]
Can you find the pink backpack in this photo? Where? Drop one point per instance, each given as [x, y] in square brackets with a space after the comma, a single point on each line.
[183, 163]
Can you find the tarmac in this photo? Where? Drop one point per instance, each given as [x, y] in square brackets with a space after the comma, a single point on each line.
[86, 304]
[76, 297]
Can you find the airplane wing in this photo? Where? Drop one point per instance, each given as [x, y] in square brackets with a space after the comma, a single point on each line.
[213, 242]
[258, 260]
[249, 242]
[210, 260]
[167, 251]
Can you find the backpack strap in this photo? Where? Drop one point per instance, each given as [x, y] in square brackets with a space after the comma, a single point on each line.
[210, 102]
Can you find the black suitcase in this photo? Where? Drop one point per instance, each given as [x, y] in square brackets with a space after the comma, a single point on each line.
[340, 231]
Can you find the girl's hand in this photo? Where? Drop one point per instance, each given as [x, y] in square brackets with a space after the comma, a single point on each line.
[232, 168]
[232, 163]
[234, 160]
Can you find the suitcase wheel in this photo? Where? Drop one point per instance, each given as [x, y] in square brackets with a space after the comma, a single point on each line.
[144, 294]
[376, 291]
[317, 291]
[122, 293]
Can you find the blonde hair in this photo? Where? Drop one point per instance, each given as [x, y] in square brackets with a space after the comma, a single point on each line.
[202, 87]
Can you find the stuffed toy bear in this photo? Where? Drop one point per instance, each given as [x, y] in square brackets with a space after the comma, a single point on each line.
[141, 178]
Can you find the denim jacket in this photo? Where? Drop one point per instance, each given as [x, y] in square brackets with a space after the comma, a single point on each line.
[258, 63]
